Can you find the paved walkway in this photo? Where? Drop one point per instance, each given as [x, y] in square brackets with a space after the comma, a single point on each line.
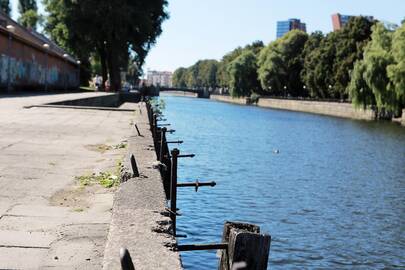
[48, 219]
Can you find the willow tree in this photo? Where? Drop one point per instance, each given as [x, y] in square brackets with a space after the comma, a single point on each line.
[396, 71]
[382, 71]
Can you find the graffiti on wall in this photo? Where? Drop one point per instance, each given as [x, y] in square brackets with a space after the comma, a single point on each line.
[33, 74]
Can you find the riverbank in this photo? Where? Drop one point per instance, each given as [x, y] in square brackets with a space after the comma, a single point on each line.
[337, 109]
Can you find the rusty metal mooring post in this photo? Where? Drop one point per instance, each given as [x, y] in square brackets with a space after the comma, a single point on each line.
[126, 260]
[137, 130]
[135, 172]
[154, 126]
[173, 189]
[162, 142]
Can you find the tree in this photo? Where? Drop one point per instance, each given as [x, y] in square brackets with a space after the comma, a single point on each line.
[311, 55]
[280, 64]
[358, 89]
[396, 70]
[382, 71]
[5, 6]
[179, 78]
[223, 79]
[376, 60]
[29, 16]
[243, 75]
[29, 19]
[207, 73]
[350, 43]
[116, 30]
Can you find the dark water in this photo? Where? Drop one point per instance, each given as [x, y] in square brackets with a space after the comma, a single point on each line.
[333, 198]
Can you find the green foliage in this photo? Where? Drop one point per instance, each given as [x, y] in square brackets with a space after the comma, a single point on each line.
[349, 43]
[119, 31]
[201, 74]
[396, 70]
[311, 57]
[358, 89]
[106, 179]
[243, 75]
[377, 58]
[158, 105]
[223, 76]
[179, 78]
[328, 60]
[29, 19]
[280, 64]
[5, 6]
[379, 77]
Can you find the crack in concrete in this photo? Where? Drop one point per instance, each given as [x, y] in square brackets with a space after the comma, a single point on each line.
[12, 246]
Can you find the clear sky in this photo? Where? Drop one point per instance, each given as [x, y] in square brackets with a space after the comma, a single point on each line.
[207, 29]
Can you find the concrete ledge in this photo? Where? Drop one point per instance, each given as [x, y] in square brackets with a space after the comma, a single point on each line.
[178, 93]
[139, 222]
[345, 110]
[337, 109]
[229, 99]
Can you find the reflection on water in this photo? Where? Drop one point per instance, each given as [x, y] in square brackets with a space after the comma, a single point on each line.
[333, 197]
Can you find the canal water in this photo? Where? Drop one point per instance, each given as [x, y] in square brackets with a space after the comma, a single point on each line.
[333, 197]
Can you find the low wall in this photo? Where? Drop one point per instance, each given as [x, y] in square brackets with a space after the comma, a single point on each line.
[139, 219]
[345, 110]
[229, 99]
[178, 93]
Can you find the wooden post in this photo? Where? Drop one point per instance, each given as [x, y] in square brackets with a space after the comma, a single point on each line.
[245, 244]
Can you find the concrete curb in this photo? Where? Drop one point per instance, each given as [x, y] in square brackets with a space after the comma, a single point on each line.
[139, 221]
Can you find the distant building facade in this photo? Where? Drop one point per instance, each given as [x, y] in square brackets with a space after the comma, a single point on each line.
[159, 78]
[283, 27]
[339, 20]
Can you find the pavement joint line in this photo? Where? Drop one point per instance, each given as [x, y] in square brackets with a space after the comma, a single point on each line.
[79, 108]
[30, 247]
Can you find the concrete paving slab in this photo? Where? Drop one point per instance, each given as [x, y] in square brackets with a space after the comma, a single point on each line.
[42, 150]
[21, 258]
[32, 224]
[25, 239]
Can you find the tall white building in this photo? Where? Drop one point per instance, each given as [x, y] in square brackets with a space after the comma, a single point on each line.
[159, 78]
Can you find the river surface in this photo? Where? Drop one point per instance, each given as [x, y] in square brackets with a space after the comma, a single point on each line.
[332, 198]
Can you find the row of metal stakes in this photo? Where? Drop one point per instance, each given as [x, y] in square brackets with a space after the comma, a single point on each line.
[242, 245]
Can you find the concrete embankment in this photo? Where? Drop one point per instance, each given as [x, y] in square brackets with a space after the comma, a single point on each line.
[139, 222]
[403, 117]
[345, 110]
[179, 93]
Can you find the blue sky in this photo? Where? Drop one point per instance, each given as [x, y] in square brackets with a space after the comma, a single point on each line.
[207, 29]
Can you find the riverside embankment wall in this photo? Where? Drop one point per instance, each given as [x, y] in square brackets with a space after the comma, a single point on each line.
[345, 110]
[139, 220]
[26, 64]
